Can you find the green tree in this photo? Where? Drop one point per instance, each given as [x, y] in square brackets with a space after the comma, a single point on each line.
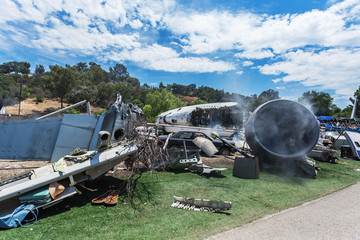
[138, 102]
[209, 94]
[346, 112]
[335, 110]
[133, 82]
[61, 81]
[39, 70]
[15, 67]
[126, 91]
[321, 102]
[6, 83]
[119, 73]
[97, 75]
[106, 94]
[81, 66]
[266, 96]
[82, 93]
[198, 101]
[160, 101]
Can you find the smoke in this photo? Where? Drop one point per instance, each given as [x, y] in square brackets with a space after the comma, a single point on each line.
[308, 104]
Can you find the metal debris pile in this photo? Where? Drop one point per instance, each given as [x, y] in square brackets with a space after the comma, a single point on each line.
[197, 204]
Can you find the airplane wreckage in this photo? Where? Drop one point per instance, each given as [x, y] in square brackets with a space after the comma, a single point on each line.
[280, 133]
[225, 118]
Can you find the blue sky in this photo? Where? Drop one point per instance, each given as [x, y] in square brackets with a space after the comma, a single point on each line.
[244, 46]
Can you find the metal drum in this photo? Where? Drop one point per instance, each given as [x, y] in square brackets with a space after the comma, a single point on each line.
[281, 130]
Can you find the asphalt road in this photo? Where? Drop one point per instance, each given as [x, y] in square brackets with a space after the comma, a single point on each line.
[336, 216]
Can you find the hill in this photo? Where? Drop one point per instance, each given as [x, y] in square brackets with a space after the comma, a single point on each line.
[33, 109]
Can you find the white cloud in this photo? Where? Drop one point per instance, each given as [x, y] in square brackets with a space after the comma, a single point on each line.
[255, 54]
[157, 57]
[80, 28]
[262, 36]
[335, 69]
[276, 80]
[318, 48]
[247, 63]
[240, 72]
[280, 88]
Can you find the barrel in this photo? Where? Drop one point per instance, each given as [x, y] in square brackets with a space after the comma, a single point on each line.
[281, 130]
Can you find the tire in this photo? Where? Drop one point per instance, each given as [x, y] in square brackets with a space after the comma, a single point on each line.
[174, 153]
[224, 151]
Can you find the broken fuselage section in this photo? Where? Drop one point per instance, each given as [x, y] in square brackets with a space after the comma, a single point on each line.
[225, 117]
[51, 139]
[102, 140]
[226, 114]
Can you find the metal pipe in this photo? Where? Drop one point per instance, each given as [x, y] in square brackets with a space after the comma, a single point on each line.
[88, 108]
[61, 110]
[353, 112]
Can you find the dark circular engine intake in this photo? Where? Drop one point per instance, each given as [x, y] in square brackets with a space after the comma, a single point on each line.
[281, 129]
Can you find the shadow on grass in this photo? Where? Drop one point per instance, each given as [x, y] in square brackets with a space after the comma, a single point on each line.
[92, 189]
[214, 174]
[177, 171]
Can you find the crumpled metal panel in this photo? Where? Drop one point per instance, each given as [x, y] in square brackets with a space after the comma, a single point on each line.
[76, 131]
[28, 139]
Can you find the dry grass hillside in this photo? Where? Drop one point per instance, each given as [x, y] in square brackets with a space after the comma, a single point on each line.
[187, 99]
[30, 108]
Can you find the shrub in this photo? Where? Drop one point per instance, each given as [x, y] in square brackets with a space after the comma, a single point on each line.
[39, 99]
[99, 112]
[50, 110]
[73, 111]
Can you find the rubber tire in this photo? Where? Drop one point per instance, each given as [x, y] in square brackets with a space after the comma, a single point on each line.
[175, 155]
[224, 151]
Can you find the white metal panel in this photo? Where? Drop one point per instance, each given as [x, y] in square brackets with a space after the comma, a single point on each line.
[121, 152]
[28, 139]
[354, 141]
[75, 131]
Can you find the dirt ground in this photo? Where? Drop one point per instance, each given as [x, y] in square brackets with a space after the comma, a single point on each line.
[29, 107]
[11, 168]
[219, 160]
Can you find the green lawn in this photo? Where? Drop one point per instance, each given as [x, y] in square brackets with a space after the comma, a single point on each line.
[154, 218]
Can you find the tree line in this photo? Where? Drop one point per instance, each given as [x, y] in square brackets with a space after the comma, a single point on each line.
[89, 81]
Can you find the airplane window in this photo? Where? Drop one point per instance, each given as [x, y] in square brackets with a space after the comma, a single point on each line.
[357, 144]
